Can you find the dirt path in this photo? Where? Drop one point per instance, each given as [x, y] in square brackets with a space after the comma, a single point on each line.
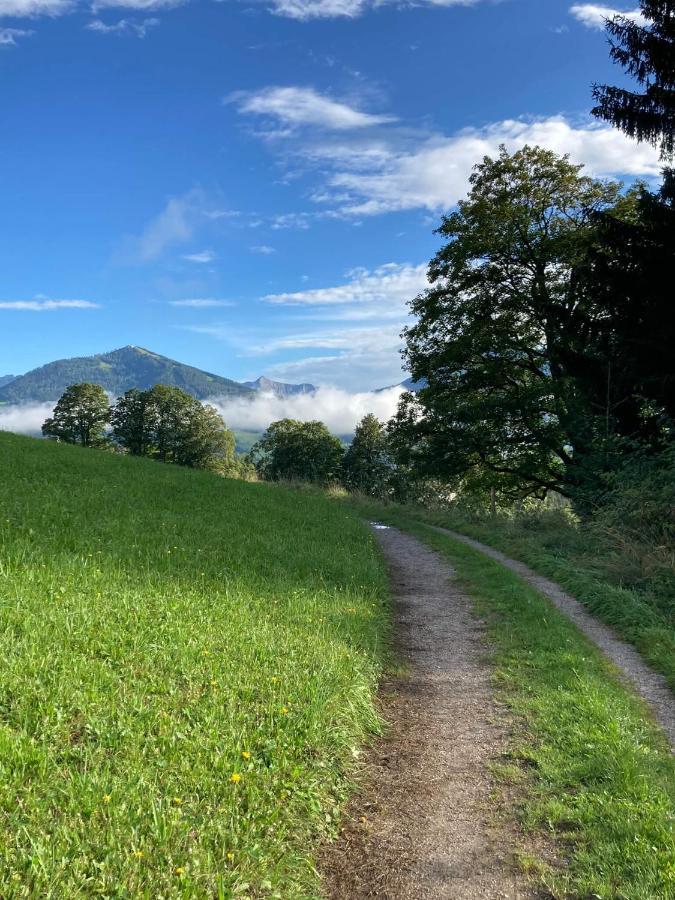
[425, 826]
[652, 687]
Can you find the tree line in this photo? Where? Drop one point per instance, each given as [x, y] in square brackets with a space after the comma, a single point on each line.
[162, 423]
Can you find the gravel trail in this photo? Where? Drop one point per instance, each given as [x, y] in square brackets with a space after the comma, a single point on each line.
[652, 687]
[426, 824]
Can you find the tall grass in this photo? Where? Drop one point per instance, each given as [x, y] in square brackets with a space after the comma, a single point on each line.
[187, 669]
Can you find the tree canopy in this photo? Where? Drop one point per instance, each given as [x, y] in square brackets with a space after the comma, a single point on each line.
[367, 465]
[646, 51]
[503, 334]
[170, 425]
[80, 416]
[292, 450]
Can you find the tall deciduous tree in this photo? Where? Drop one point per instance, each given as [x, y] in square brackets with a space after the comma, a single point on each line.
[172, 426]
[367, 464]
[504, 327]
[646, 51]
[133, 421]
[304, 451]
[80, 416]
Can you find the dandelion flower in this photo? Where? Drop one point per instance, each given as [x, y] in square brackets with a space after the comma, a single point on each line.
[229, 856]
[107, 798]
[179, 870]
[245, 754]
[235, 777]
[284, 710]
[177, 801]
[138, 854]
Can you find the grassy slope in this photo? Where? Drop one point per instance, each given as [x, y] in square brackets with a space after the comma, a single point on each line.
[588, 569]
[598, 778]
[187, 665]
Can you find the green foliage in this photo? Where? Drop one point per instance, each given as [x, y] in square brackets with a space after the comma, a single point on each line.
[170, 425]
[157, 626]
[291, 450]
[367, 466]
[80, 416]
[544, 340]
[117, 372]
[645, 51]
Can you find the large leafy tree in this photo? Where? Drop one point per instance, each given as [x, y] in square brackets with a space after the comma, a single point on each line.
[367, 465]
[80, 416]
[170, 425]
[646, 51]
[504, 329]
[133, 420]
[302, 451]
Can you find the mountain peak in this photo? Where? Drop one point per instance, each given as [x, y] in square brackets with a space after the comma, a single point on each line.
[280, 388]
[118, 371]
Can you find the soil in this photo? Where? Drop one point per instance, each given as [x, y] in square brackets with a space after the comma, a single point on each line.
[648, 684]
[427, 823]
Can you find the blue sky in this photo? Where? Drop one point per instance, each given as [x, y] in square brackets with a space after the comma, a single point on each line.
[252, 187]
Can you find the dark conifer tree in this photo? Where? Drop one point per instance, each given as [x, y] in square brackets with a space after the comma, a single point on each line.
[646, 51]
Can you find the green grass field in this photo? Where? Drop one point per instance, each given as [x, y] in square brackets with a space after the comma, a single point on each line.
[187, 669]
[588, 774]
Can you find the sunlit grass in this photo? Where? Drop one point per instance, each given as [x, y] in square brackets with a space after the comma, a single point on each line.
[187, 668]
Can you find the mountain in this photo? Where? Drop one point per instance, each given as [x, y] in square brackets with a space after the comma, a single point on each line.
[5, 379]
[408, 385]
[117, 372]
[279, 388]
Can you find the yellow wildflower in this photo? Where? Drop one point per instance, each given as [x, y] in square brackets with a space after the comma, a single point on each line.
[138, 854]
[179, 870]
[177, 801]
[230, 856]
[107, 798]
[245, 754]
[284, 710]
[235, 777]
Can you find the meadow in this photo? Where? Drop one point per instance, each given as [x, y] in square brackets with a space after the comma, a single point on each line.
[188, 668]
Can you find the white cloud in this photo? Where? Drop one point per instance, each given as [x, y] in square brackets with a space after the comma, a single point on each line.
[175, 224]
[435, 174]
[140, 5]
[27, 9]
[45, 305]
[331, 9]
[295, 106]
[125, 26]
[594, 16]
[24, 418]
[8, 36]
[340, 410]
[392, 285]
[263, 249]
[206, 256]
[201, 303]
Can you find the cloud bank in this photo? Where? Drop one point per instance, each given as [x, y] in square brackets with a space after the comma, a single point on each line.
[24, 418]
[594, 16]
[340, 410]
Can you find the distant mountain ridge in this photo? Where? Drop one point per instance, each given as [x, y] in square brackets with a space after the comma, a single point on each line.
[5, 379]
[117, 372]
[280, 388]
